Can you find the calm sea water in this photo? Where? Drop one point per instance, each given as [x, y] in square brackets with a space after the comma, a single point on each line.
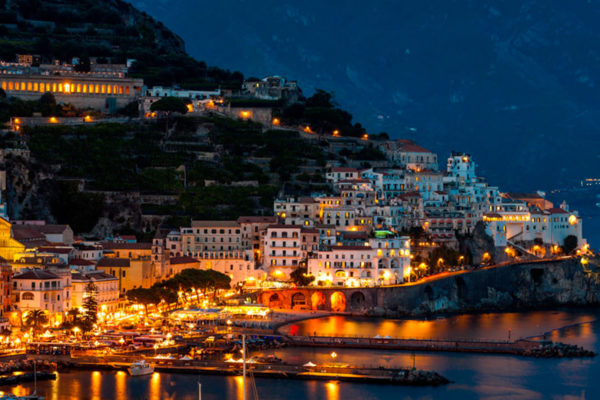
[474, 376]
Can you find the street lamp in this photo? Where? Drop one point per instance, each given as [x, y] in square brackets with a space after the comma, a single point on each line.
[333, 355]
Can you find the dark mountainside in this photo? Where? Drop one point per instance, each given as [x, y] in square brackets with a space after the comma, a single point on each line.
[512, 82]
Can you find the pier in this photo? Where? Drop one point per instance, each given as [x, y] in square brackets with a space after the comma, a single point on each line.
[327, 372]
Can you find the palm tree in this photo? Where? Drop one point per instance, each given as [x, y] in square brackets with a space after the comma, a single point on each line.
[35, 319]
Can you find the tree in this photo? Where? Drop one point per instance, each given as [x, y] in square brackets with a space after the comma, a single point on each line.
[35, 319]
[48, 106]
[90, 303]
[321, 98]
[569, 244]
[73, 315]
[169, 105]
[300, 277]
[142, 296]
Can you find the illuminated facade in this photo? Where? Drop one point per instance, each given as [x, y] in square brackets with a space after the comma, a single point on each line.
[35, 289]
[105, 94]
[380, 261]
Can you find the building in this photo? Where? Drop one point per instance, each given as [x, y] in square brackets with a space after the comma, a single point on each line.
[102, 93]
[82, 265]
[380, 261]
[131, 273]
[303, 211]
[272, 88]
[107, 286]
[36, 289]
[254, 229]
[92, 252]
[6, 300]
[238, 265]
[128, 250]
[410, 155]
[11, 245]
[178, 264]
[211, 236]
[283, 250]
[337, 174]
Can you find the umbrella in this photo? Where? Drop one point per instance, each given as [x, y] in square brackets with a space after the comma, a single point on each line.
[310, 364]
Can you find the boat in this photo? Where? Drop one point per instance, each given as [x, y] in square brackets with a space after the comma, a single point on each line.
[140, 368]
[13, 397]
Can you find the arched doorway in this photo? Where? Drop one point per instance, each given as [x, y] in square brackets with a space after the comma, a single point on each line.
[357, 301]
[338, 302]
[299, 301]
[317, 301]
[275, 301]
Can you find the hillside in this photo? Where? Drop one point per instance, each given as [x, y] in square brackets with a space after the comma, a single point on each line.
[128, 178]
[112, 30]
[512, 83]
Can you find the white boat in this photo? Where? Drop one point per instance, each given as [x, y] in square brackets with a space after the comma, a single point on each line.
[140, 368]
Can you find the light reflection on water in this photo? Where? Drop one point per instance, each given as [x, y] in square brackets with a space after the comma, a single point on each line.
[475, 376]
[492, 326]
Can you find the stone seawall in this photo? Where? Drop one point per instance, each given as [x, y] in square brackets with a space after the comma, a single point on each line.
[544, 283]
[527, 285]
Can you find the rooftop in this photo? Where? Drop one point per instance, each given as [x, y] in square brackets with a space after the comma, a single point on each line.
[127, 246]
[183, 260]
[213, 224]
[113, 262]
[36, 274]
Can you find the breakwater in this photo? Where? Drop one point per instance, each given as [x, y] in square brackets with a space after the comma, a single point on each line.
[524, 347]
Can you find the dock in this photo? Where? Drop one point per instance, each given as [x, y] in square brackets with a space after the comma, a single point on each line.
[325, 372]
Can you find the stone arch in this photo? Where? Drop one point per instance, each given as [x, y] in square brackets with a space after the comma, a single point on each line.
[357, 301]
[428, 293]
[317, 301]
[461, 288]
[338, 302]
[394, 263]
[383, 263]
[275, 301]
[298, 300]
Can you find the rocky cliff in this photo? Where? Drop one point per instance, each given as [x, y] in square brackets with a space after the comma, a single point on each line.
[528, 285]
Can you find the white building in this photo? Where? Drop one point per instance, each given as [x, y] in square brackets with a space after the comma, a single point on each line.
[283, 250]
[36, 289]
[378, 262]
[341, 173]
